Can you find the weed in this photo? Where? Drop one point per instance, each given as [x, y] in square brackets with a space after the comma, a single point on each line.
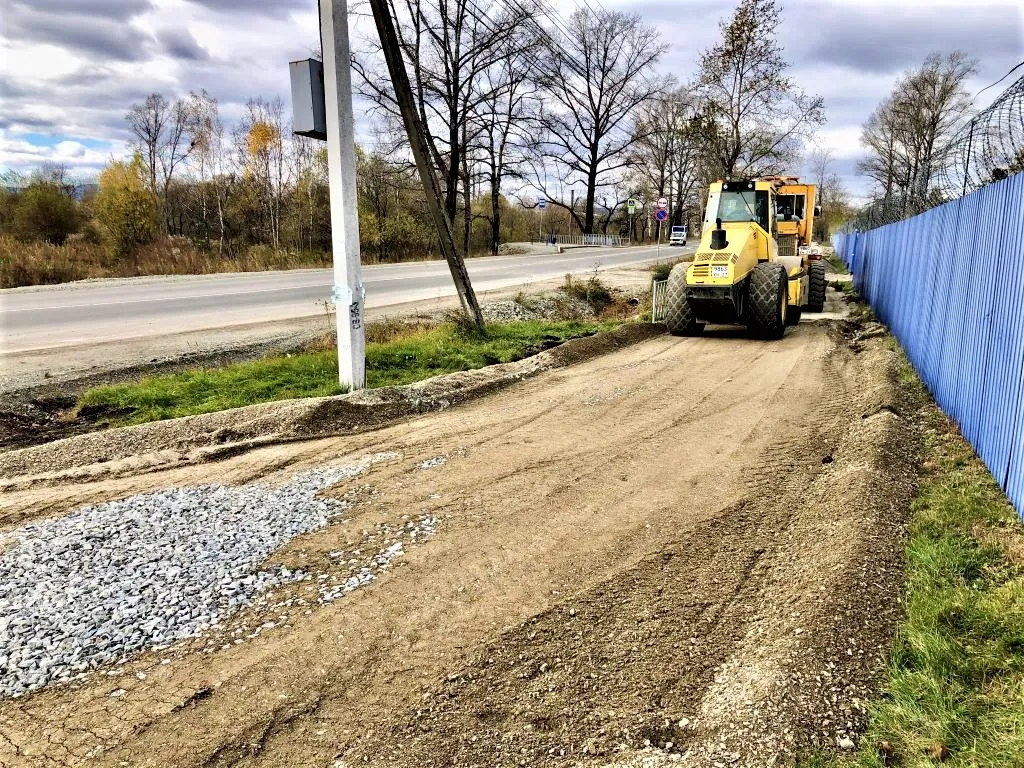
[592, 291]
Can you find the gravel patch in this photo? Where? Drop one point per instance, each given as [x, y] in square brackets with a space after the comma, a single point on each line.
[111, 579]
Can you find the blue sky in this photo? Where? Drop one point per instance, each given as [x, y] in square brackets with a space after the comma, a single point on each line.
[71, 69]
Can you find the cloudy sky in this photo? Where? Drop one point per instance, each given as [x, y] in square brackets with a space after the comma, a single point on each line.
[70, 69]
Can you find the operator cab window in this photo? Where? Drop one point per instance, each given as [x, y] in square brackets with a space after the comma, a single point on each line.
[790, 207]
[748, 205]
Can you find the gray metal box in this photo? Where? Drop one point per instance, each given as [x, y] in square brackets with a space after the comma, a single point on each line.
[309, 112]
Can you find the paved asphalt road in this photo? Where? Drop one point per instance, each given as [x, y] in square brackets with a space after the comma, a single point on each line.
[110, 310]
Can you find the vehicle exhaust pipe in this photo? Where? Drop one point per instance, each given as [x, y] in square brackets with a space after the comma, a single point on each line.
[718, 241]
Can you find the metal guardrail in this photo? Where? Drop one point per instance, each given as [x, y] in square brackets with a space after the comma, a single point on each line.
[600, 240]
[659, 296]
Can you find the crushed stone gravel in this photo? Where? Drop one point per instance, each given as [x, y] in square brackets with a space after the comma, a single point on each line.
[111, 579]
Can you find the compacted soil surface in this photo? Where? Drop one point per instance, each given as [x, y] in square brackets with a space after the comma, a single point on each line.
[686, 551]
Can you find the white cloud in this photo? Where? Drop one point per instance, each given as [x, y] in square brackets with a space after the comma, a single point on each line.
[55, 82]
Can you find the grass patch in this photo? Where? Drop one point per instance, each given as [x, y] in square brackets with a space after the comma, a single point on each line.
[661, 270]
[406, 356]
[955, 690]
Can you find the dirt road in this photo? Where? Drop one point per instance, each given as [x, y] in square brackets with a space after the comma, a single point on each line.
[687, 551]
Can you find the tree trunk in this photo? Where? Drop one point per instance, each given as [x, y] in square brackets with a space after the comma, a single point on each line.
[588, 220]
[495, 213]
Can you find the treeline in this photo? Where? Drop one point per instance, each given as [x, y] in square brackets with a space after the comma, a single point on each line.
[573, 112]
[228, 191]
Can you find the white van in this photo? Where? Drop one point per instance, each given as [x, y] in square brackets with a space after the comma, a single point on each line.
[677, 236]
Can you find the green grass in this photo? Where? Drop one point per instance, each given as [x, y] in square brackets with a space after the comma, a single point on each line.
[955, 690]
[418, 355]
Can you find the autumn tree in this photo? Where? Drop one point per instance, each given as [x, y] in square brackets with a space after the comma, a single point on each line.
[126, 207]
[755, 118]
[45, 211]
[261, 151]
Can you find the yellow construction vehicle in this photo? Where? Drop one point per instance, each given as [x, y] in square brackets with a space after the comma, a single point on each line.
[796, 211]
[743, 271]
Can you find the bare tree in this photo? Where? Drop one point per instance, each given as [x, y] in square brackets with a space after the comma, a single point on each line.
[211, 161]
[595, 78]
[502, 119]
[164, 134]
[668, 149]
[755, 117]
[449, 45]
[831, 195]
[906, 134]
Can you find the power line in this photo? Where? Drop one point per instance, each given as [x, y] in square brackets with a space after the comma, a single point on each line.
[997, 82]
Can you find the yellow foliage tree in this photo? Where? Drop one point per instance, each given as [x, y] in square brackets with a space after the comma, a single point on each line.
[125, 206]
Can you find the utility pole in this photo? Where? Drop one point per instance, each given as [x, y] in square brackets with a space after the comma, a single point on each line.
[420, 152]
[349, 296]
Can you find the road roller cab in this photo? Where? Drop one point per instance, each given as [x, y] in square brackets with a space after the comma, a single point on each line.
[738, 274]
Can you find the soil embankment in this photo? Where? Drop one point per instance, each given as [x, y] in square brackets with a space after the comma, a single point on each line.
[686, 550]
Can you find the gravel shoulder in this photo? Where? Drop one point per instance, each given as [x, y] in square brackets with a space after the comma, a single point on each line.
[685, 550]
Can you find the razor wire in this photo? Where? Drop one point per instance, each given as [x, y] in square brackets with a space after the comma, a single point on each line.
[987, 148]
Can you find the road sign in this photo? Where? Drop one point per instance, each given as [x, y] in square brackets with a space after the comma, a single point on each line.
[631, 204]
[662, 203]
[661, 215]
[542, 203]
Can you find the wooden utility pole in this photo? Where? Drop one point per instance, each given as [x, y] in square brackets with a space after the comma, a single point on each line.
[420, 152]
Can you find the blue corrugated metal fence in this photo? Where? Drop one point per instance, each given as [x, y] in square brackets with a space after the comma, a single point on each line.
[949, 283]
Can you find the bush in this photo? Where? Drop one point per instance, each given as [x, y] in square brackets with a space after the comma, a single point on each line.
[42, 211]
[42, 263]
[592, 291]
[125, 208]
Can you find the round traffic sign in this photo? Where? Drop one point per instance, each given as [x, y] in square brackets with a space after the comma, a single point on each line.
[663, 203]
[661, 215]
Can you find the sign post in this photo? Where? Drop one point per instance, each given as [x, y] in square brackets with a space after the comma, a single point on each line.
[661, 215]
[631, 206]
[542, 204]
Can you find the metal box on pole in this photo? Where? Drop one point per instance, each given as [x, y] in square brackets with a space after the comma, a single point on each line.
[309, 105]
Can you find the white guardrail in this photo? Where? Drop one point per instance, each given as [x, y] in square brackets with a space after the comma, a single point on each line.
[659, 295]
[600, 240]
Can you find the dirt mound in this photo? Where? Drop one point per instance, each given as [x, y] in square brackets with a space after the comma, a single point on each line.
[126, 450]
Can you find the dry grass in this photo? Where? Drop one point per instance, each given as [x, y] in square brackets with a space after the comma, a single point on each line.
[44, 264]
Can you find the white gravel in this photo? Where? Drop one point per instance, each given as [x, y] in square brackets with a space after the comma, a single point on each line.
[89, 588]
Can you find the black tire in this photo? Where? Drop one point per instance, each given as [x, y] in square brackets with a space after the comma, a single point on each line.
[793, 314]
[767, 301]
[816, 289]
[678, 315]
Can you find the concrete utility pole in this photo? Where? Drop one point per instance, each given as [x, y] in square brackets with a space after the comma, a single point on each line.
[349, 295]
[421, 153]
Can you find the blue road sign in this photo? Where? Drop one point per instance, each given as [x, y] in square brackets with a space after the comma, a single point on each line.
[542, 203]
[661, 215]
